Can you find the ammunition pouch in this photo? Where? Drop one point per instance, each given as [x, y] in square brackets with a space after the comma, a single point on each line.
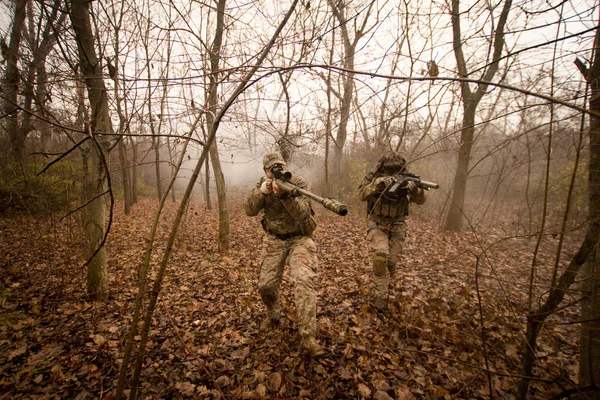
[396, 191]
[309, 226]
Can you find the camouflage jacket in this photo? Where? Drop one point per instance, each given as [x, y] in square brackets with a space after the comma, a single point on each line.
[382, 208]
[282, 215]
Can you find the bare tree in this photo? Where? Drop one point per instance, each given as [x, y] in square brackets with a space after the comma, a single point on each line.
[116, 20]
[589, 365]
[41, 41]
[212, 123]
[470, 100]
[11, 80]
[95, 187]
[350, 41]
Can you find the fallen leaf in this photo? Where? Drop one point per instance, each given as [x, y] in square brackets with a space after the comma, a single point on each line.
[17, 352]
[274, 381]
[364, 390]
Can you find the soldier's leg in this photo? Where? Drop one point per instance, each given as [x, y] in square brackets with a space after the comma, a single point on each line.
[274, 255]
[396, 241]
[303, 269]
[379, 246]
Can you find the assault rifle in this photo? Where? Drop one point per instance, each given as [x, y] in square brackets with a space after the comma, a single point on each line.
[408, 176]
[283, 182]
[398, 186]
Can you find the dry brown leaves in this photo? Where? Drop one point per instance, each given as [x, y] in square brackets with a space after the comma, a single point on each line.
[206, 340]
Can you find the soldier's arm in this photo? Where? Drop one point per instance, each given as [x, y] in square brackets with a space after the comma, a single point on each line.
[366, 191]
[297, 206]
[374, 187]
[255, 202]
[417, 194]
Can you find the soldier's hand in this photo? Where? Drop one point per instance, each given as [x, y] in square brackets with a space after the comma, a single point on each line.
[267, 186]
[383, 182]
[411, 186]
[277, 190]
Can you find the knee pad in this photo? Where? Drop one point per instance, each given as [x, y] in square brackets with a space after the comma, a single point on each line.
[380, 265]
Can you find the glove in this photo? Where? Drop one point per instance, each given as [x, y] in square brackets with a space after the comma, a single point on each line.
[266, 187]
[411, 186]
[383, 182]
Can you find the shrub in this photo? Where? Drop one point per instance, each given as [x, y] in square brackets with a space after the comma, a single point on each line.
[23, 188]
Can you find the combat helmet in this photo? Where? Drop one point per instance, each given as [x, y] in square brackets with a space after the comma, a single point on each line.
[273, 158]
[391, 161]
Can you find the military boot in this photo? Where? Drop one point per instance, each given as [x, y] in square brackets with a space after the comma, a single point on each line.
[271, 301]
[274, 314]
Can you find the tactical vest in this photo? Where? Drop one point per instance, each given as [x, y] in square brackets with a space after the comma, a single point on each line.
[385, 208]
[277, 220]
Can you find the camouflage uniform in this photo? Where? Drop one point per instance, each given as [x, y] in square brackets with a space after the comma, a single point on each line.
[288, 223]
[387, 221]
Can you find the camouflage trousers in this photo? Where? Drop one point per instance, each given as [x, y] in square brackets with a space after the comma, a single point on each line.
[385, 242]
[300, 253]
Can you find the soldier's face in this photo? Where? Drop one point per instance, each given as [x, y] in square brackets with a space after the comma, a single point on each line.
[268, 170]
[391, 169]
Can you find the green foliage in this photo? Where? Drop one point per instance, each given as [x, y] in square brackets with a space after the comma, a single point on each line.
[21, 188]
[357, 170]
[144, 189]
[560, 179]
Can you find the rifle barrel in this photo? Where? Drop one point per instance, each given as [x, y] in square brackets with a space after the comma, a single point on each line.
[429, 185]
[420, 182]
[330, 204]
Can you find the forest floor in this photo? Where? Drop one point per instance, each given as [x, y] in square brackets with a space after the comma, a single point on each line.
[454, 330]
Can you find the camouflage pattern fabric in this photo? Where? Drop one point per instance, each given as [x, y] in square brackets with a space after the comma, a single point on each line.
[280, 215]
[386, 228]
[285, 217]
[385, 210]
[385, 242]
[301, 255]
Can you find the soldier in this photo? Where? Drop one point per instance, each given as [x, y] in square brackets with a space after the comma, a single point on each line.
[387, 213]
[288, 223]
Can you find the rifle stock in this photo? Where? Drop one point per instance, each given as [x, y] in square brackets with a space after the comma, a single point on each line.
[330, 204]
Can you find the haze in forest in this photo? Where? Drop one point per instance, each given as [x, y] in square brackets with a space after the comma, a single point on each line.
[106, 106]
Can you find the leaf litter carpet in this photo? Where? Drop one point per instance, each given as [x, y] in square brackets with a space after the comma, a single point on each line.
[454, 329]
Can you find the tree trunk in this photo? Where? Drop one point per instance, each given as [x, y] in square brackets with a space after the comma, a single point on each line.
[172, 164]
[589, 348]
[338, 9]
[455, 214]
[134, 172]
[156, 147]
[150, 94]
[41, 98]
[97, 277]
[207, 184]
[125, 175]
[589, 361]
[210, 120]
[470, 102]
[11, 81]
[221, 198]
[123, 126]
